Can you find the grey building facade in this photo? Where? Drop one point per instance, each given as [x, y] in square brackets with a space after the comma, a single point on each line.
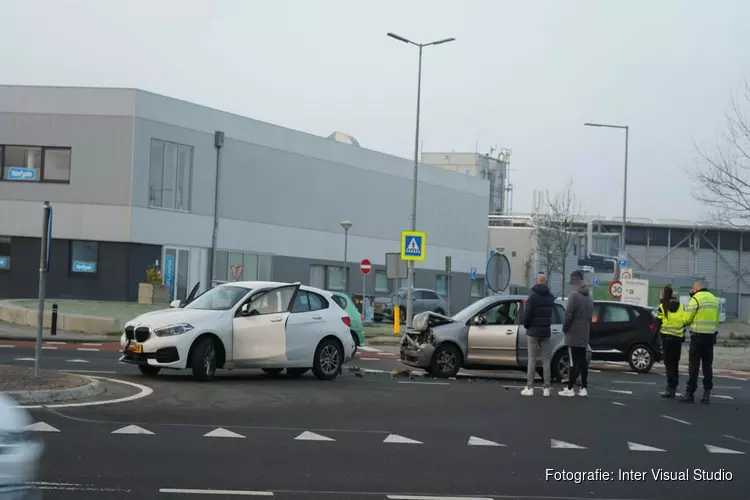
[132, 175]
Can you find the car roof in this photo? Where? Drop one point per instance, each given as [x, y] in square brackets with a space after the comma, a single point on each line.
[272, 284]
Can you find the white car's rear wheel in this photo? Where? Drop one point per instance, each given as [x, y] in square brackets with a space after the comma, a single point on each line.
[328, 358]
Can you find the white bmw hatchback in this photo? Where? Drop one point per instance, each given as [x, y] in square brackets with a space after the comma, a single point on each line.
[248, 324]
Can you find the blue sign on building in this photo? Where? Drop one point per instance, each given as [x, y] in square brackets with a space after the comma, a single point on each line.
[84, 267]
[3, 262]
[169, 273]
[473, 273]
[622, 263]
[21, 174]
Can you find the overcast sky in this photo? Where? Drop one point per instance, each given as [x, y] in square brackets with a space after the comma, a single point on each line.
[523, 75]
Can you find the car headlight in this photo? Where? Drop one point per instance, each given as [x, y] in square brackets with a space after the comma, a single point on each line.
[168, 331]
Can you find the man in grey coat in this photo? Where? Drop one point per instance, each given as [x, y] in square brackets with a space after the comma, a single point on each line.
[576, 328]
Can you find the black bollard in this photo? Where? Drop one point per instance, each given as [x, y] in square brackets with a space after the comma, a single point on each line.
[54, 320]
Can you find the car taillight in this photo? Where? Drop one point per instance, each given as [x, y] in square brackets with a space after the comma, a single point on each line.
[347, 321]
[652, 326]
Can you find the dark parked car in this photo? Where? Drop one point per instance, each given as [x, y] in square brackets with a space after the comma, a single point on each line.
[625, 332]
[424, 300]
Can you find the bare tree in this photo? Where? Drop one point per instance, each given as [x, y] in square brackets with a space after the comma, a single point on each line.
[558, 227]
[723, 177]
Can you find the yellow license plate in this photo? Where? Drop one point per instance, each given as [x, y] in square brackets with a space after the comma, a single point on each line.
[135, 348]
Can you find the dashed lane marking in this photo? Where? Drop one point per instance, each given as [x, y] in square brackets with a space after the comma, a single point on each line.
[731, 377]
[76, 361]
[49, 347]
[737, 439]
[55, 343]
[423, 383]
[89, 349]
[728, 387]
[25, 359]
[422, 497]
[87, 371]
[721, 396]
[632, 382]
[618, 403]
[618, 391]
[676, 420]
[5, 345]
[91, 344]
[366, 348]
[246, 493]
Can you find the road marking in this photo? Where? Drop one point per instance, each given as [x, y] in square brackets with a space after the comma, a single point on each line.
[41, 427]
[311, 436]
[87, 371]
[737, 439]
[716, 449]
[632, 382]
[642, 447]
[369, 349]
[594, 371]
[25, 359]
[676, 419]
[133, 429]
[421, 497]
[721, 396]
[90, 344]
[51, 348]
[554, 443]
[144, 392]
[223, 433]
[7, 345]
[395, 438]
[55, 343]
[43, 485]
[369, 359]
[731, 378]
[87, 349]
[728, 387]
[76, 361]
[476, 441]
[618, 391]
[423, 383]
[631, 373]
[245, 493]
[618, 403]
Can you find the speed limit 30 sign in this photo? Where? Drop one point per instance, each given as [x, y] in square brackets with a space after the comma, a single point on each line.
[615, 289]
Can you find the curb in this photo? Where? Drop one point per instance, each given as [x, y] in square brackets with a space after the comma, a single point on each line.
[76, 340]
[77, 323]
[93, 388]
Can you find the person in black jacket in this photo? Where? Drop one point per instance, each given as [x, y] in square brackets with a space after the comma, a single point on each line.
[537, 320]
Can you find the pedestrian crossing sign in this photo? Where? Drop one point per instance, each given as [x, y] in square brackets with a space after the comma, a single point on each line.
[413, 245]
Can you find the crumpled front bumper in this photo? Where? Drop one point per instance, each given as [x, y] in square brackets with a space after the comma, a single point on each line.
[415, 353]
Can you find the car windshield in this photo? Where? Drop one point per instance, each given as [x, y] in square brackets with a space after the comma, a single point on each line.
[221, 298]
[466, 314]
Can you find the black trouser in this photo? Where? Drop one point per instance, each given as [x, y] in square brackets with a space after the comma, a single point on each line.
[578, 365]
[671, 347]
[701, 353]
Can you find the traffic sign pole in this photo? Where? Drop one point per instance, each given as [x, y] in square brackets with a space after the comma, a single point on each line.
[43, 267]
[365, 266]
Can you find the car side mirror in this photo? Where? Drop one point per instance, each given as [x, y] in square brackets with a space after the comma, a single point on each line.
[479, 320]
[245, 310]
[176, 304]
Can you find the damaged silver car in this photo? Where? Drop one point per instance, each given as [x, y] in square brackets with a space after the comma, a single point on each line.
[487, 335]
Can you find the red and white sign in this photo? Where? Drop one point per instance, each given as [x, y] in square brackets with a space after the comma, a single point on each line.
[365, 266]
[615, 289]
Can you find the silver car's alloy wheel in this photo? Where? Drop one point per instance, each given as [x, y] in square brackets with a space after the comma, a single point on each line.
[563, 368]
[209, 360]
[641, 358]
[329, 359]
[446, 361]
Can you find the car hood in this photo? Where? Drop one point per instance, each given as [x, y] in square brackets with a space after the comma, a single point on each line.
[428, 319]
[12, 419]
[167, 317]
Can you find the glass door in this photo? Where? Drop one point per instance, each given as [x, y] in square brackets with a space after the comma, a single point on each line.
[176, 269]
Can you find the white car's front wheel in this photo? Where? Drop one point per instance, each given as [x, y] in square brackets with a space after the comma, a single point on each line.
[328, 359]
[204, 359]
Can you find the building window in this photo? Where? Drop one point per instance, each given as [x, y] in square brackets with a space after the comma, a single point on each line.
[381, 282]
[4, 253]
[318, 277]
[442, 285]
[336, 278]
[170, 175]
[35, 163]
[242, 266]
[84, 257]
[477, 287]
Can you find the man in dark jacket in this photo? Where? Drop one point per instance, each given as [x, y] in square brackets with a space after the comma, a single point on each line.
[577, 327]
[537, 319]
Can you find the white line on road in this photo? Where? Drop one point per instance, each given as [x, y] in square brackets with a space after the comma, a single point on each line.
[240, 493]
[618, 403]
[369, 349]
[87, 349]
[5, 345]
[421, 497]
[369, 359]
[424, 383]
[49, 347]
[90, 344]
[621, 392]
[76, 361]
[87, 371]
[144, 391]
[676, 420]
[728, 387]
[594, 371]
[633, 382]
[631, 373]
[55, 343]
[721, 396]
[731, 378]
[737, 439]
[642, 447]
[25, 359]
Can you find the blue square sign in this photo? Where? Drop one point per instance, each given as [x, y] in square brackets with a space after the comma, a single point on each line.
[473, 273]
[413, 245]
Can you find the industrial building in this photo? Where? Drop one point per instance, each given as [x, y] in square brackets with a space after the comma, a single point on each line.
[134, 179]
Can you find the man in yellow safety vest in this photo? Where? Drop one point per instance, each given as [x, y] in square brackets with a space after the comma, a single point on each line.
[702, 316]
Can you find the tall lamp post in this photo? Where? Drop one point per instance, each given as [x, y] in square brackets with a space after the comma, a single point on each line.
[625, 178]
[410, 264]
[346, 224]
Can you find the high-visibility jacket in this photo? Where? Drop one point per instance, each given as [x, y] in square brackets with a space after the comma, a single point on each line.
[702, 313]
[674, 323]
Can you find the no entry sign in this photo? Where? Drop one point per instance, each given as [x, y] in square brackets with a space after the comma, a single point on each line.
[365, 266]
[615, 289]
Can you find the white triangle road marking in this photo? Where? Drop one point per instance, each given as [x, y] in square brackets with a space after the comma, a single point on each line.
[132, 429]
[76, 361]
[554, 443]
[476, 441]
[223, 433]
[716, 449]
[311, 436]
[642, 447]
[41, 427]
[395, 438]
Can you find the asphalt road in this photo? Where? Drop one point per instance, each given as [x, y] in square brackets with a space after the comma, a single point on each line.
[368, 435]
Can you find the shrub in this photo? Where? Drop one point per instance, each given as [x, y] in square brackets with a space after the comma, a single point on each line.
[153, 276]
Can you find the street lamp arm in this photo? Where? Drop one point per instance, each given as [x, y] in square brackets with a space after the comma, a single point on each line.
[604, 125]
[401, 39]
[445, 40]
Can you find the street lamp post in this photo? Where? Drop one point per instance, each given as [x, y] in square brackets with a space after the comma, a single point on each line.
[625, 178]
[410, 264]
[346, 224]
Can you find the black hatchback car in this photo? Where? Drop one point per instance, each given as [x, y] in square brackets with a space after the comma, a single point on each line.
[625, 332]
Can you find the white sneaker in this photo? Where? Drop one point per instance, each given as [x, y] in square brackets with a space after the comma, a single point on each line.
[528, 391]
[583, 392]
[567, 392]
[546, 392]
